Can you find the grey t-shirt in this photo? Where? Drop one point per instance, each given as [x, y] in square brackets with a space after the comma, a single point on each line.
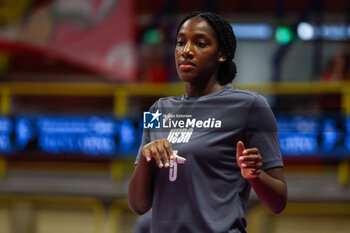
[208, 193]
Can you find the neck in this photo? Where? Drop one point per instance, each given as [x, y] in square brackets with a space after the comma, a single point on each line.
[202, 89]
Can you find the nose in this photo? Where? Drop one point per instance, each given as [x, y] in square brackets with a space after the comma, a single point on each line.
[187, 51]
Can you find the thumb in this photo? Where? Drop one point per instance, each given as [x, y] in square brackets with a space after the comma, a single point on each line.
[240, 148]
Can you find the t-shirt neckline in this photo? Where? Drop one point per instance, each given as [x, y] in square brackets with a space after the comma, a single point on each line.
[218, 92]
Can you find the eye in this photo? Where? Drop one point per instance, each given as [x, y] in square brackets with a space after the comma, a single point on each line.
[201, 44]
[179, 42]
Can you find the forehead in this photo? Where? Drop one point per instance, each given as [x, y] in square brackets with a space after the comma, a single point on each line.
[197, 25]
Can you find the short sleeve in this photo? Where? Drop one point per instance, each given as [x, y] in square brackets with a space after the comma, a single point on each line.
[261, 132]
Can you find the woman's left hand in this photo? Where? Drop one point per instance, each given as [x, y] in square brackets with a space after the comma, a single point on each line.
[249, 160]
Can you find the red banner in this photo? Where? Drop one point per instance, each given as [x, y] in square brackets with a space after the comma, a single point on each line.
[96, 34]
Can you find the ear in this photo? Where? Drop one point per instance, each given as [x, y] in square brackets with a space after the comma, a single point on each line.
[222, 57]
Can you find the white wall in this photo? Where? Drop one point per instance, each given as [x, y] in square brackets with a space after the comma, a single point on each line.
[254, 60]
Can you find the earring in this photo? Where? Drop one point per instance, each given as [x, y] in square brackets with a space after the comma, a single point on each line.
[221, 59]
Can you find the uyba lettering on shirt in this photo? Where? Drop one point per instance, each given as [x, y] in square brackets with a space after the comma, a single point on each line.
[180, 135]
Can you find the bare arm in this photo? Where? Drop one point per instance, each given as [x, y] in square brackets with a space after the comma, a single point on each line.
[269, 185]
[271, 189]
[140, 193]
[141, 187]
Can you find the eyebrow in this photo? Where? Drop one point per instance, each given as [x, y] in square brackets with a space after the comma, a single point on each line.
[198, 35]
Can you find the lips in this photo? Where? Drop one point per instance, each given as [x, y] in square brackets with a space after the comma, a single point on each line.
[186, 66]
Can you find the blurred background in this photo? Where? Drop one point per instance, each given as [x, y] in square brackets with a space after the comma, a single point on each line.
[75, 77]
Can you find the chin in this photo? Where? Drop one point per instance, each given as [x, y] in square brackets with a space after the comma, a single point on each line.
[186, 77]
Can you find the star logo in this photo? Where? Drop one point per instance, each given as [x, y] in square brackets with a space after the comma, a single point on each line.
[152, 120]
[156, 115]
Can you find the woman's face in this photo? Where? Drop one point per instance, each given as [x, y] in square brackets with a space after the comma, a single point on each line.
[197, 51]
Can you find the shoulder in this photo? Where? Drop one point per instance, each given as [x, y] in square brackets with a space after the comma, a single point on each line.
[244, 93]
[165, 102]
[254, 99]
[169, 101]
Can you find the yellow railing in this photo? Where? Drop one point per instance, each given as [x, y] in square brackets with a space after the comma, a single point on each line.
[122, 92]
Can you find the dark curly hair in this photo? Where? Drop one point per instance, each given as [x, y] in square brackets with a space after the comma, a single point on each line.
[227, 41]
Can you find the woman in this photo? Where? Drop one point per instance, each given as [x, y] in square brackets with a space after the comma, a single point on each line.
[216, 142]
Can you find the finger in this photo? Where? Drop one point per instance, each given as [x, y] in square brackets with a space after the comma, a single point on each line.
[157, 156]
[147, 154]
[255, 172]
[259, 165]
[240, 148]
[252, 165]
[169, 149]
[251, 151]
[163, 154]
[250, 158]
[179, 159]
